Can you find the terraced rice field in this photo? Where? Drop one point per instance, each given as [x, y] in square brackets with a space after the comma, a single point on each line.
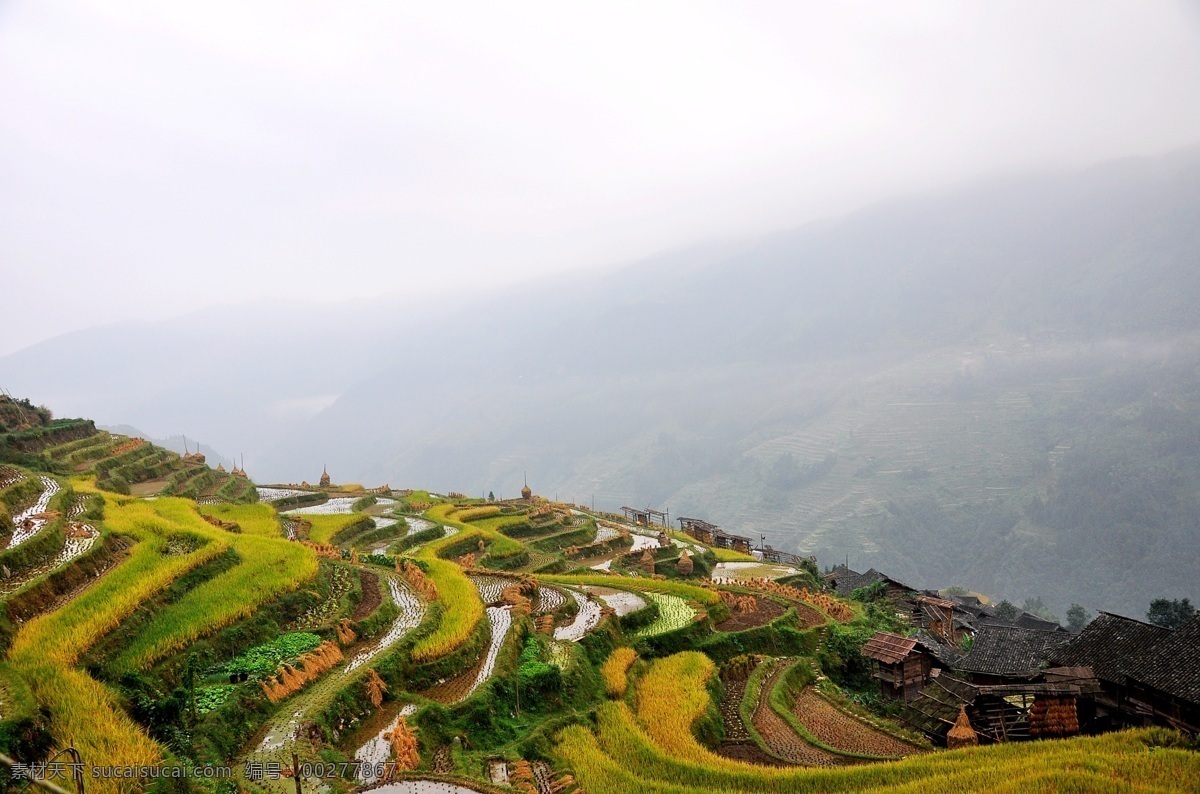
[548, 599]
[412, 612]
[378, 750]
[21, 532]
[500, 620]
[834, 728]
[322, 613]
[9, 476]
[283, 732]
[673, 613]
[491, 588]
[339, 505]
[809, 615]
[585, 620]
[84, 537]
[461, 687]
[731, 712]
[415, 550]
[605, 533]
[275, 494]
[739, 744]
[416, 525]
[732, 572]
[642, 542]
[622, 602]
[767, 611]
[779, 736]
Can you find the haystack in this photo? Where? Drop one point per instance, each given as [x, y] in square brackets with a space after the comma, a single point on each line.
[962, 734]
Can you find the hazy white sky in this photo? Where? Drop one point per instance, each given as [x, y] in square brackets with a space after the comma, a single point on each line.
[161, 157]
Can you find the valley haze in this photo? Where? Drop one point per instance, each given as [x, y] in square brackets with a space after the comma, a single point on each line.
[994, 385]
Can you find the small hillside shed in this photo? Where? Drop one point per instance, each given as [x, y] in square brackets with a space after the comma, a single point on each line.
[902, 664]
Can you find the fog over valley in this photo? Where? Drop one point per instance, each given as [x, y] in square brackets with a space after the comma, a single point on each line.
[776, 266]
[599, 398]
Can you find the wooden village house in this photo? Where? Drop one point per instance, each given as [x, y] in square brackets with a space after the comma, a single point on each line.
[902, 664]
[1149, 675]
[1009, 654]
[1042, 708]
[845, 581]
[713, 535]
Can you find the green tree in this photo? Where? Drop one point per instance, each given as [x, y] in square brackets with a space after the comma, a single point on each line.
[1170, 614]
[1006, 610]
[1077, 618]
[1038, 607]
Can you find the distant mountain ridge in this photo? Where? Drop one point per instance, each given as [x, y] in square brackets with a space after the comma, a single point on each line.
[976, 383]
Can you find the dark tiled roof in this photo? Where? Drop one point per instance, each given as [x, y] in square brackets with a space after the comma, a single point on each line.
[888, 648]
[1028, 620]
[945, 654]
[1110, 645]
[1010, 651]
[1024, 620]
[1173, 664]
[847, 581]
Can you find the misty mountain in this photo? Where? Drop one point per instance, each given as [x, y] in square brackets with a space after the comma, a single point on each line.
[992, 386]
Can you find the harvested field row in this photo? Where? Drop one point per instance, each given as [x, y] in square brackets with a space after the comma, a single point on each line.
[731, 711]
[751, 611]
[371, 597]
[834, 728]
[326, 611]
[779, 736]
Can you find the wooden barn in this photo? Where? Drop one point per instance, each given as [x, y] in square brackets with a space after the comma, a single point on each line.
[713, 535]
[1047, 707]
[902, 664]
[941, 618]
[845, 581]
[699, 529]
[771, 554]
[644, 517]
